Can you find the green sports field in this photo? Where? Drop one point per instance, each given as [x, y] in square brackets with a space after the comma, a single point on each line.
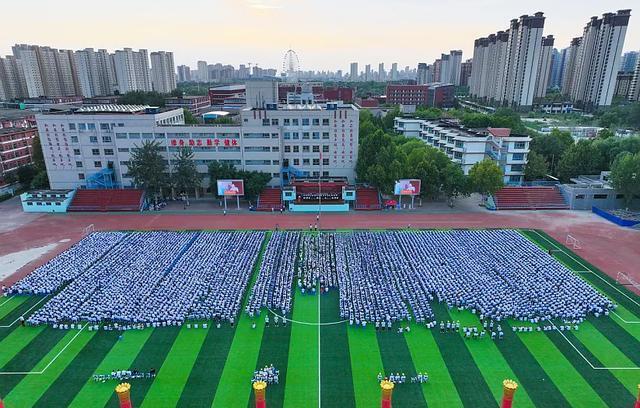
[329, 364]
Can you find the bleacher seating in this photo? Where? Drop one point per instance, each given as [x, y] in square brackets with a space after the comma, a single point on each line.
[530, 198]
[107, 200]
[367, 198]
[270, 199]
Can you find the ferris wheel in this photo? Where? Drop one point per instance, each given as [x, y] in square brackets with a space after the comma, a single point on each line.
[290, 63]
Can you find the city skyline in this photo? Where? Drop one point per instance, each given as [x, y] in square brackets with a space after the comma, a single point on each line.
[234, 32]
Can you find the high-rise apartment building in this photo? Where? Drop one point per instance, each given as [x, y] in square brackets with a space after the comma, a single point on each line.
[203, 71]
[353, 71]
[544, 66]
[634, 88]
[163, 73]
[629, 60]
[597, 60]
[367, 73]
[505, 65]
[570, 58]
[382, 75]
[12, 83]
[394, 71]
[96, 74]
[132, 70]
[184, 73]
[423, 70]
[557, 66]
[465, 72]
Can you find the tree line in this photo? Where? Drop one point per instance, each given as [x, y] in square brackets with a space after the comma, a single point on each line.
[149, 171]
[384, 157]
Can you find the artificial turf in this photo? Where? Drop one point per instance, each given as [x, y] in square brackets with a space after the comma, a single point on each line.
[328, 365]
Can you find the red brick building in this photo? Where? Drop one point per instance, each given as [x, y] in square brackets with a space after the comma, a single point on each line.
[218, 94]
[194, 104]
[15, 149]
[433, 95]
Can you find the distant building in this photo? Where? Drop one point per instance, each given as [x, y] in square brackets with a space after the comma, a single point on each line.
[629, 60]
[634, 87]
[623, 84]
[184, 73]
[353, 71]
[423, 71]
[505, 64]
[96, 72]
[597, 59]
[555, 107]
[194, 104]
[132, 70]
[465, 72]
[163, 73]
[467, 147]
[544, 66]
[218, 94]
[17, 133]
[435, 95]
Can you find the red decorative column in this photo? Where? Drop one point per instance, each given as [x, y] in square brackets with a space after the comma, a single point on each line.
[260, 392]
[1, 403]
[387, 392]
[509, 388]
[124, 395]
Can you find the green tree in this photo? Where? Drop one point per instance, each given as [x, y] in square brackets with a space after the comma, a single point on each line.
[625, 176]
[605, 134]
[454, 182]
[221, 171]
[37, 155]
[389, 118]
[485, 177]
[536, 167]
[370, 148]
[40, 181]
[552, 147]
[148, 168]
[26, 174]
[185, 174]
[142, 98]
[189, 119]
[254, 183]
[581, 158]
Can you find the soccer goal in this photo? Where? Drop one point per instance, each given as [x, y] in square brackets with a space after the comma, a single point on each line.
[89, 229]
[573, 242]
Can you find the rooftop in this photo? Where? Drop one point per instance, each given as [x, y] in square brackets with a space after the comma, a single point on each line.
[499, 132]
[113, 109]
[228, 88]
[13, 114]
[8, 130]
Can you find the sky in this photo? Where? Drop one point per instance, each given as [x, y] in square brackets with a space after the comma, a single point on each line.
[326, 34]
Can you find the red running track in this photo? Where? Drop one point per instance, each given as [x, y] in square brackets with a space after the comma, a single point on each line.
[607, 246]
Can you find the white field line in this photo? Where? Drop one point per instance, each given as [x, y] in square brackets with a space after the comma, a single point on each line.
[22, 315]
[319, 362]
[6, 301]
[50, 362]
[570, 255]
[585, 359]
[305, 323]
[625, 321]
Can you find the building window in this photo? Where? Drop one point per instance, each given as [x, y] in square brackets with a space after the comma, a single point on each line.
[72, 126]
[579, 197]
[123, 150]
[95, 152]
[295, 136]
[93, 139]
[325, 162]
[108, 152]
[600, 196]
[305, 149]
[325, 149]
[134, 135]
[82, 127]
[80, 176]
[76, 152]
[286, 122]
[74, 139]
[305, 122]
[296, 162]
[275, 149]
[265, 122]
[104, 126]
[156, 135]
[305, 135]
[325, 122]
[514, 179]
[274, 122]
[316, 122]
[106, 139]
[287, 136]
[294, 122]
[316, 135]
[517, 167]
[78, 164]
[97, 164]
[518, 156]
[296, 149]
[316, 149]
[91, 126]
[519, 145]
[305, 162]
[123, 135]
[325, 135]
[316, 162]
[287, 149]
